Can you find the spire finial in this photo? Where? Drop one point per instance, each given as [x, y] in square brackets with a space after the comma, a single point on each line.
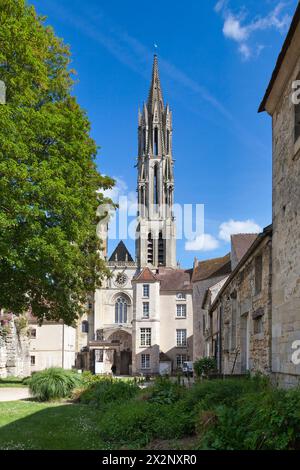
[155, 93]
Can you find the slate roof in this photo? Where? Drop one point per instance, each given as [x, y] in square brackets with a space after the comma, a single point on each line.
[174, 279]
[212, 268]
[119, 254]
[241, 243]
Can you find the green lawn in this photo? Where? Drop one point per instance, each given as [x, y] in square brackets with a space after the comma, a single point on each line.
[33, 425]
[12, 382]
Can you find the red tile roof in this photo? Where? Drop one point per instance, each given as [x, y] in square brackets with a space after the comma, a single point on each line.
[146, 275]
[174, 279]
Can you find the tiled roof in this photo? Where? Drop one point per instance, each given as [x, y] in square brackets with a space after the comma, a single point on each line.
[146, 275]
[121, 253]
[241, 243]
[212, 268]
[174, 279]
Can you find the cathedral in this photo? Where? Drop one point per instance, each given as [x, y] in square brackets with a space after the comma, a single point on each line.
[143, 314]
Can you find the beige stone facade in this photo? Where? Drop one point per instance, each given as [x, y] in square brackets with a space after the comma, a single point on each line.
[239, 319]
[14, 348]
[279, 104]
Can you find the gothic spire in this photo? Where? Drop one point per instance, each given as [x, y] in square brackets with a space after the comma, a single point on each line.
[155, 93]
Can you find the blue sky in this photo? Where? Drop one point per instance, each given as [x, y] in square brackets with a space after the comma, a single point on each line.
[215, 60]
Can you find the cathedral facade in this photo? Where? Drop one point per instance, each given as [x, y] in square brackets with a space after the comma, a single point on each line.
[142, 317]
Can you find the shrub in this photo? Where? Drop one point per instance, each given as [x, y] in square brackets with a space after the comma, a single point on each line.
[204, 366]
[108, 390]
[164, 391]
[266, 419]
[136, 425]
[53, 383]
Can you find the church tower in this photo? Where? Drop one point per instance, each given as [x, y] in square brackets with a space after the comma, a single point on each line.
[156, 228]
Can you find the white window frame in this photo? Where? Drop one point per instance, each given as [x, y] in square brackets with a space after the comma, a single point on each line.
[146, 287]
[145, 361]
[145, 337]
[181, 310]
[146, 313]
[181, 338]
[180, 296]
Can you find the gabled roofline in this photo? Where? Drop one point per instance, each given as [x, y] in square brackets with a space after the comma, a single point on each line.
[286, 45]
[266, 232]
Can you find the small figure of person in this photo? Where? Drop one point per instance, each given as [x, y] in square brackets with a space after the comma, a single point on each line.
[113, 369]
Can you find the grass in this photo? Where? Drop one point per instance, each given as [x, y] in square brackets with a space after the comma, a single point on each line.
[51, 426]
[14, 382]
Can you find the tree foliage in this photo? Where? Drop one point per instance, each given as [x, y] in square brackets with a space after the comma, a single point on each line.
[49, 184]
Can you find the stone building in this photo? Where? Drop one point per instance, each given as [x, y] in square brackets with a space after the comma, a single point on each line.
[240, 316]
[52, 344]
[283, 106]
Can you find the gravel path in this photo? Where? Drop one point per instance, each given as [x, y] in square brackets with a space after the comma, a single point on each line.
[13, 394]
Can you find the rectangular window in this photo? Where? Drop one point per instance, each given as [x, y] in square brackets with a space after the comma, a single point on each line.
[145, 361]
[181, 310]
[258, 274]
[32, 333]
[258, 325]
[180, 359]
[145, 336]
[32, 360]
[146, 309]
[146, 290]
[181, 338]
[99, 354]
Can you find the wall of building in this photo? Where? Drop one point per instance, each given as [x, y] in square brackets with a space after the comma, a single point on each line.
[286, 238]
[53, 346]
[243, 346]
[169, 323]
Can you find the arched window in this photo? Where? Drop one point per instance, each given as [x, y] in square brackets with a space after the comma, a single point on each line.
[161, 250]
[121, 310]
[85, 326]
[155, 186]
[150, 249]
[144, 140]
[168, 141]
[155, 141]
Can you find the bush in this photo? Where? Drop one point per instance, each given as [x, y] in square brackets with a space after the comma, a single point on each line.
[107, 390]
[135, 425]
[164, 391]
[53, 383]
[266, 419]
[205, 366]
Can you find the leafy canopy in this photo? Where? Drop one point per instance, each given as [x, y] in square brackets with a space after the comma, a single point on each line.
[49, 184]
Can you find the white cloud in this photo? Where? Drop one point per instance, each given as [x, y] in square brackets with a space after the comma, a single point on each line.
[204, 242]
[235, 226]
[232, 29]
[236, 29]
[120, 195]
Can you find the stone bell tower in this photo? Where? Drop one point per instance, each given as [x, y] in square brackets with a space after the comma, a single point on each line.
[156, 228]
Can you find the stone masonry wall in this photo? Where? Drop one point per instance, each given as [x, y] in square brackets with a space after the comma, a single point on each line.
[14, 350]
[286, 239]
[243, 347]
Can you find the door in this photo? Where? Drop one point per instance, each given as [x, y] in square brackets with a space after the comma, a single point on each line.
[99, 361]
[245, 342]
[125, 362]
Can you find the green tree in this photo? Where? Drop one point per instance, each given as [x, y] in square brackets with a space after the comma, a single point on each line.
[49, 185]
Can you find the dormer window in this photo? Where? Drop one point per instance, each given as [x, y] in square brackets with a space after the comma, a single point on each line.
[180, 296]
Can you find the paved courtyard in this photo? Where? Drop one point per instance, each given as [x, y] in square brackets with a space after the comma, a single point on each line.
[13, 394]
